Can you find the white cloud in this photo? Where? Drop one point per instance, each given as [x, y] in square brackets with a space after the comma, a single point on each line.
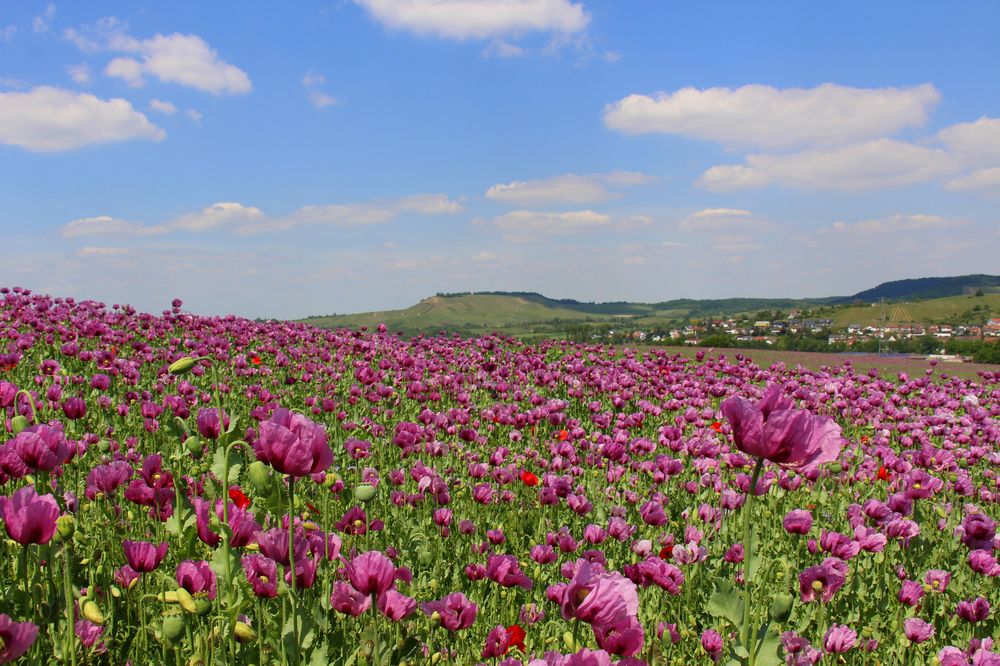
[183, 59]
[722, 218]
[874, 164]
[477, 19]
[129, 70]
[975, 143]
[564, 189]
[48, 119]
[161, 106]
[734, 244]
[426, 204]
[91, 251]
[983, 179]
[759, 115]
[7, 33]
[483, 257]
[312, 80]
[42, 21]
[223, 214]
[520, 224]
[105, 225]
[498, 48]
[895, 224]
[321, 100]
[193, 115]
[79, 73]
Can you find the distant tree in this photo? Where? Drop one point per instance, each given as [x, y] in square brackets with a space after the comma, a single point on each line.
[979, 292]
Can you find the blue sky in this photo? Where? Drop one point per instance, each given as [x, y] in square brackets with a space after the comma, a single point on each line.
[310, 157]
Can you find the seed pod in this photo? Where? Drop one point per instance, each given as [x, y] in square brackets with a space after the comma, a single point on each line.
[186, 601]
[182, 366]
[194, 447]
[203, 606]
[65, 526]
[364, 492]
[781, 607]
[173, 627]
[260, 478]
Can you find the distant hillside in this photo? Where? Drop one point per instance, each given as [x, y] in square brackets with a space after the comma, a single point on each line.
[921, 288]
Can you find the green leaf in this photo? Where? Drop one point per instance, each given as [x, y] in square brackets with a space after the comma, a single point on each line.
[726, 603]
[767, 648]
[319, 657]
[235, 464]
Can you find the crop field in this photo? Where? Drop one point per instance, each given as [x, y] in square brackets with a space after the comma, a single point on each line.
[186, 490]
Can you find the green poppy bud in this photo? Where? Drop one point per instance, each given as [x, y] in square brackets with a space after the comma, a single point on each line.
[173, 627]
[781, 607]
[18, 424]
[243, 632]
[167, 597]
[260, 478]
[91, 611]
[194, 447]
[186, 601]
[836, 468]
[182, 366]
[364, 492]
[203, 607]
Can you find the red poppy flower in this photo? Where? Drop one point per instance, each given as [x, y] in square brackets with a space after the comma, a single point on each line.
[563, 435]
[255, 359]
[312, 508]
[666, 552]
[883, 473]
[238, 498]
[515, 638]
[716, 426]
[528, 478]
[864, 439]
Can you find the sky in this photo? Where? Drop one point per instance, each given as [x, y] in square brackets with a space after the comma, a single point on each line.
[307, 158]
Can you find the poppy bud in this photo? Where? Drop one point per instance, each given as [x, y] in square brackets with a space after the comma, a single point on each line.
[203, 606]
[260, 478]
[781, 607]
[194, 447]
[182, 366]
[167, 597]
[173, 627]
[186, 601]
[65, 527]
[91, 611]
[18, 424]
[243, 632]
[435, 658]
[364, 492]
[836, 468]
[435, 619]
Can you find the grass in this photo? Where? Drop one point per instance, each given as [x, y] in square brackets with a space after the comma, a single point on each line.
[951, 309]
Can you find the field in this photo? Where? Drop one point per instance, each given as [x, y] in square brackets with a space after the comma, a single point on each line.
[195, 490]
[944, 310]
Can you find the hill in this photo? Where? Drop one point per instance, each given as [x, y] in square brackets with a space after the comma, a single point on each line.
[934, 287]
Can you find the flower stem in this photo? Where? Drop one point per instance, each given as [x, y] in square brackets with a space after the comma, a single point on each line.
[376, 654]
[746, 636]
[291, 562]
[68, 590]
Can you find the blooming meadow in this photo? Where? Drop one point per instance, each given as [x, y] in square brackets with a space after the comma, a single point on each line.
[178, 489]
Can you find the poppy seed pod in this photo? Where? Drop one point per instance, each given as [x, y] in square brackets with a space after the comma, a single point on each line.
[173, 627]
[781, 607]
[260, 478]
[364, 492]
[18, 424]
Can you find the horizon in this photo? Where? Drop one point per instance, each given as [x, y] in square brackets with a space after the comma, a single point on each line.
[360, 156]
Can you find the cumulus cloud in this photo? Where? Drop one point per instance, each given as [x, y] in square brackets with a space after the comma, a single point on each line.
[565, 189]
[976, 142]
[873, 164]
[321, 100]
[104, 225]
[982, 179]
[525, 224]
[234, 217]
[41, 22]
[894, 224]
[48, 119]
[182, 59]
[498, 48]
[767, 117]
[477, 19]
[79, 73]
[715, 219]
[160, 106]
[311, 82]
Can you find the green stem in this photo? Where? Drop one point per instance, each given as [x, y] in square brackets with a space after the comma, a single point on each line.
[68, 590]
[746, 637]
[291, 562]
[376, 653]
[227, 584]
[31, 401]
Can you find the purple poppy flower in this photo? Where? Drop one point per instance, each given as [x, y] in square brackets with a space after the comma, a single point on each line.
[711, 642]
[197, 578]
[262, 574]
[973, 611]
[74, 408]
[910, 593]
[42, 447]
[798, 521]
[208, 422]
[840, 638]
[144, 556]
[126, 576]
[293, 444]
[917, 630]
[371, 572]
[624, 637]
[106, 479]
[15, 638]
[937, 580]
[28, 517]
[349, 601]
[454, 610]
[654, 571]
[978, 531]
[822, 582]
[89, 633]
[395, 605]
[497, 642]
[794, 439]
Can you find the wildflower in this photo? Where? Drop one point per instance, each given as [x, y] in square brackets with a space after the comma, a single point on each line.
[371, 572]
[917, 630]
[454, 611]
[208, 423]
[15, 638]
[197, 578]
[239, 498]
[798, 521]
[711, 642]
[262, 574]
[293, 444]
[528, 479]
[143, 556]
[839, 638]
[822, 581]
[28, 517]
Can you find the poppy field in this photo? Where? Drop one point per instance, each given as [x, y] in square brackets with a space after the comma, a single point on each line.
[187, 490]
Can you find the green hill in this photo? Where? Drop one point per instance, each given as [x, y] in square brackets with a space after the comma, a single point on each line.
[936, 287]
